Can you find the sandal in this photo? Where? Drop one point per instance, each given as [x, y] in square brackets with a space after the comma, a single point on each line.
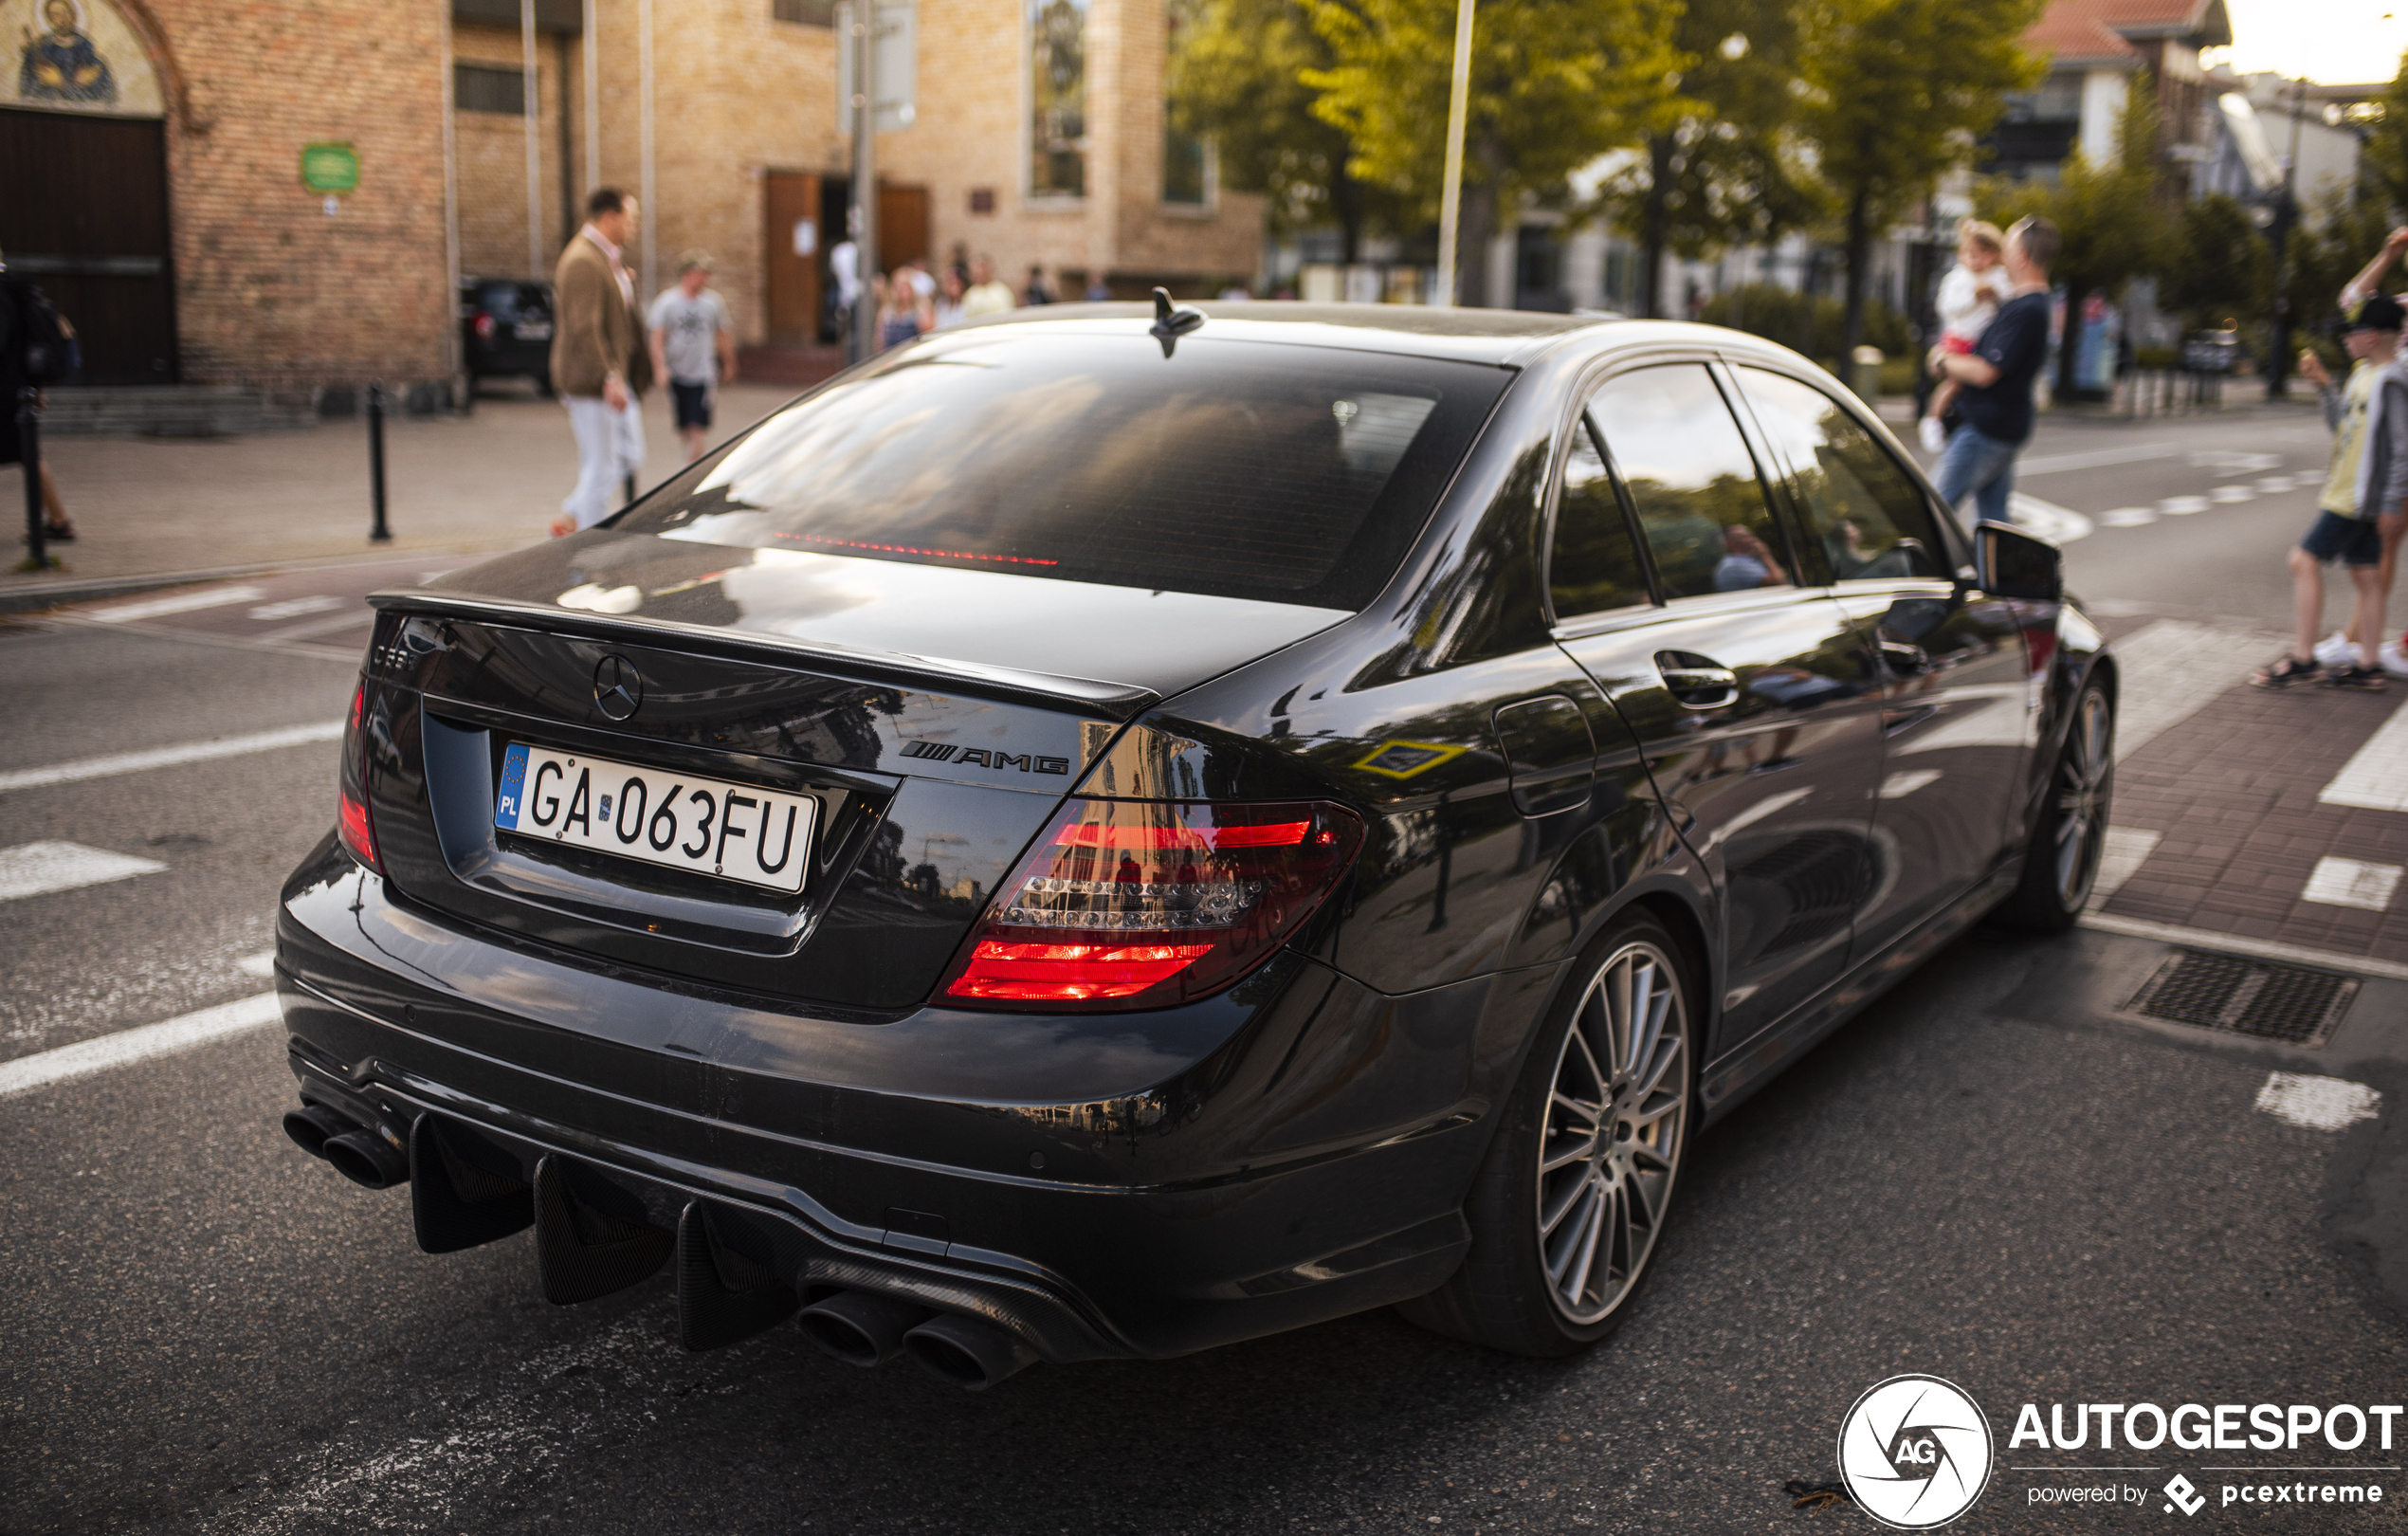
[2366, 679]
[2284, 673]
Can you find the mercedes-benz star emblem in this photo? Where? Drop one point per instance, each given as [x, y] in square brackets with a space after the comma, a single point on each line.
[618, 687]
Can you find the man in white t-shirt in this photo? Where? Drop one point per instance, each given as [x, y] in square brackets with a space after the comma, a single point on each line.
[693, 347]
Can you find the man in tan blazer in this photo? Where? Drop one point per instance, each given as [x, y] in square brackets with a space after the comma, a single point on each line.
[599, 364]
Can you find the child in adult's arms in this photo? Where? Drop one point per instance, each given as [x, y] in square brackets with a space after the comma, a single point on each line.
[1969, 299]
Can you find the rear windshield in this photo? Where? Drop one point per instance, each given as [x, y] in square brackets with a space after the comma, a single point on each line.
[1288, 473]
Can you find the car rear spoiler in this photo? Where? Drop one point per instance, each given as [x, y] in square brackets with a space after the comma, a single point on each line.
[1046, 690]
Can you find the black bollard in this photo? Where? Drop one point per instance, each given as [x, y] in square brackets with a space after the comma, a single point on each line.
[37, 528]
[378, 532]
[630, 491]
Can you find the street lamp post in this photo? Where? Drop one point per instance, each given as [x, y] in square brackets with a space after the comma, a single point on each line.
[1450, 197]
[863, 42]
[2278, 362]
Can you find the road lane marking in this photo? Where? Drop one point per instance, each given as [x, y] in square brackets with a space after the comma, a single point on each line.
[2127, 849]
[2228, 462]
[2277, 485]
[2375, 777]
[296, 607]
[2127, 517]
[262, 965]
[135, 762]
[184, 603]
[2352, 883]
[2173, 668]
[2324, 1104]
[360, 617]
[38, 869]
[129, 1046]
[2049, 464]
[2182, 506]
[2227, 495]
[2058, 525]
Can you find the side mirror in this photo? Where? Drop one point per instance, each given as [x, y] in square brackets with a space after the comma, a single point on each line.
[2009, 562]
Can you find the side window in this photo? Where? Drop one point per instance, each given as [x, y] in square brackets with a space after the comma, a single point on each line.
[1871, 518]
[1594, 565]
[1702, 511]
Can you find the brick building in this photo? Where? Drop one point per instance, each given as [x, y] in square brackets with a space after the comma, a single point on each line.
[162, 200]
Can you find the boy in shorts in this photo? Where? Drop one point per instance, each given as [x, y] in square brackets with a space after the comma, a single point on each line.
[693, 347]
[2364, 505]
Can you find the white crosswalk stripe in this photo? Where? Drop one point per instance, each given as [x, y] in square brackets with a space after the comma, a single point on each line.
[126, 1046]
[169, 757]
[38, 869]
[2375, 777]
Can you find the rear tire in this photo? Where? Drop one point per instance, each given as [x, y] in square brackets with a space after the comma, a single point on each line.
[2061, 862]
[1569, 1205]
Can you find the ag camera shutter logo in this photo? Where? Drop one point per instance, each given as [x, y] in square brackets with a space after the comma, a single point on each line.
[1915, 1452]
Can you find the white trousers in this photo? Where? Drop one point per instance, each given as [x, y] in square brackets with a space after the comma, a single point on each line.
[610, 449]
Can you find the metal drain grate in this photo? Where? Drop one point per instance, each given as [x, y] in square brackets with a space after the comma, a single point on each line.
[2256, 997]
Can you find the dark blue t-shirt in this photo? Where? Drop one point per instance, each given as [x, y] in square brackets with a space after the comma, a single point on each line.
[2016, 343]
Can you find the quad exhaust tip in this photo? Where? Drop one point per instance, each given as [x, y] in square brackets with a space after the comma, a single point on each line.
[967, 1352]
[364, 1156]
[861, 1328]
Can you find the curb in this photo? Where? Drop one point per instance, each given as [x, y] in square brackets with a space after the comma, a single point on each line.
[29, 597]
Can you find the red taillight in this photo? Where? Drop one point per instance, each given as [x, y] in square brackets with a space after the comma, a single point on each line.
[484, 326]
[352, 823]
[1142, 904]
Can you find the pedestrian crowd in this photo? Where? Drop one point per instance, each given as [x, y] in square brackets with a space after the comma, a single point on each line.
[913, 301]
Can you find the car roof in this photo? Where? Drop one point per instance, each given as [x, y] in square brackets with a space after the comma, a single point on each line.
[1505, 338]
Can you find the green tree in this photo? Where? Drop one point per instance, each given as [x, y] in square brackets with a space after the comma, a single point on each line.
[1555, 84]
[2113, 224]
[1236, 76]
[1894, 93]
[1719, 167]
[2223, 269]
[2384, 161]
[2334, 236]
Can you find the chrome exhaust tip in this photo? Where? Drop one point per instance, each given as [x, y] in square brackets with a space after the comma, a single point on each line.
[970, 1354]
[860, 1327]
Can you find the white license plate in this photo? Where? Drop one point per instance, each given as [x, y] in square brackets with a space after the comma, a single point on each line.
[533, 330]
[707, 826]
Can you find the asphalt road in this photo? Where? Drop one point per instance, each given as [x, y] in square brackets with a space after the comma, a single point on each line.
[1990, 1176]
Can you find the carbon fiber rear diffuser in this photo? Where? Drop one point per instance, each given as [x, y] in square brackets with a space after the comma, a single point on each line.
[722, 1295]
[454, 1203]
[581, 1252]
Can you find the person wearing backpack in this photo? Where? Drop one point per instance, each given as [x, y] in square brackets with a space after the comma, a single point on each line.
[37, 347]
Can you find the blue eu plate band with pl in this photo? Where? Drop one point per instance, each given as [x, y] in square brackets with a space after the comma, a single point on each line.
[514, 788]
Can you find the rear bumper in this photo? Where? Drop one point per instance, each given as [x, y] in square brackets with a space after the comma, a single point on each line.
[1138, 1186]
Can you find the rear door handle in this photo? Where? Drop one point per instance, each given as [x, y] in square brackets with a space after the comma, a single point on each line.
[1697, 681]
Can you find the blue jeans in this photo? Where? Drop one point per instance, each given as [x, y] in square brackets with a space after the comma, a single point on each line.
[1980, 465]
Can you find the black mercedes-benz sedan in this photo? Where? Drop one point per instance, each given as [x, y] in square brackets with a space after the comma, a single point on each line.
[1108, 832]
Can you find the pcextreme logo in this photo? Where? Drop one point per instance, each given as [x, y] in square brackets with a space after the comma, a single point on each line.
[1915, 1452]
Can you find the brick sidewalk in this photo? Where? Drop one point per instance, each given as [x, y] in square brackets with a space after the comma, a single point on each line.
[2232, 793]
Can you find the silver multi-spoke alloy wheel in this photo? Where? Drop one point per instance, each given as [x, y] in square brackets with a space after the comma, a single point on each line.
[2080, 795]
[1614, 1126]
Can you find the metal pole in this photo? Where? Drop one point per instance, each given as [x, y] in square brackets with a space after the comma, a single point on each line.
[1450, 197]
[378, 532]
[864, 209]
[37, 528]
[531, 79]
[2278, 361]
[592, 101]
[651, 212]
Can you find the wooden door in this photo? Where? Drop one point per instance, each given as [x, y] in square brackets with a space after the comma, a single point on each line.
[902, 225]
[795, 250]
[83, 213]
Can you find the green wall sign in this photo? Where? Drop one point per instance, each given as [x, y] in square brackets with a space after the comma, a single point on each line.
[329, 168]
